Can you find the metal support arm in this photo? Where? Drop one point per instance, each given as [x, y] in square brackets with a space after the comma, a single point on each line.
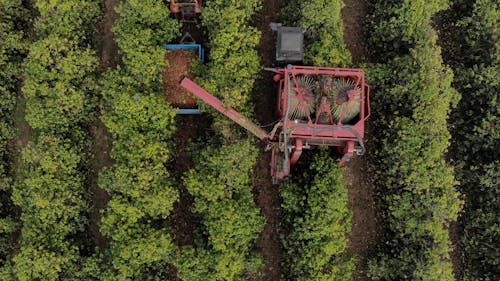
[232, 114]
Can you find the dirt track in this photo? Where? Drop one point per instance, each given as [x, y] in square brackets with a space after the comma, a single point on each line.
[267, 195]
[100, 154]
[365, 221]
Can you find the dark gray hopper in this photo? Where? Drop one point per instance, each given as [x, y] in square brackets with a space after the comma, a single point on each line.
[290, 43]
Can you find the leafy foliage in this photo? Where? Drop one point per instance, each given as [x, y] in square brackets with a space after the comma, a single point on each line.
[475, 133]
[324, 30]
[58, 81]
[50, 191]
[317, 217]
[12, 52]
[222, 189]
[317, 220]
[234, 62]
[140, 123]
[415, 184]
[51, 197]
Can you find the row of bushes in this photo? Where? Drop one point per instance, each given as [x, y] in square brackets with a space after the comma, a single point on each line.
[12, 52]
[221, 180]
[323, 22]
[315, 203]
[415, 186]
[221, 185]
[234, 62]
[141, 123]
[50, 190]
[316, 220]
[476, 136]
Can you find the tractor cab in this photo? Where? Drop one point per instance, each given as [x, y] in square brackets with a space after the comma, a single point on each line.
[289, 44]
[186, 10]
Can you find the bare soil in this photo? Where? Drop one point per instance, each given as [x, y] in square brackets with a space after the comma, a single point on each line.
[109, 49]
[354, 15]
[365, 231]
[178, 64]
[267, 195]
[23, 133]
[99, 159]
[182, 220]
[365, 221]
[100, 151]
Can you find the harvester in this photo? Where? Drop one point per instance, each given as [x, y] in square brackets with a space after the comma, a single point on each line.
[316, 106]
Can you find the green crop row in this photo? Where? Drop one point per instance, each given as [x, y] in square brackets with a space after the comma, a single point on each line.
[221, 186]
[58, 80]
[413, 98]
[234, 63]
[141, 123]
[221, 180]
[316, 214]
[12, 52]
[317, 219]
[324, 31]
[476, 135]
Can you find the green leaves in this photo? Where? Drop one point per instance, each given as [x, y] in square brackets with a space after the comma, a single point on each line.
[234, 62]
[476, 136]
[416, 186]
[58, 78]
[324, 31]
[51, 196]
[221, 186]
[141, 124]
[317, 218]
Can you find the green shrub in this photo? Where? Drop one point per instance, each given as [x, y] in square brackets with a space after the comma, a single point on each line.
[222, 189]
[475, 133]
[324, 31]
[415, 185]
[317, 220]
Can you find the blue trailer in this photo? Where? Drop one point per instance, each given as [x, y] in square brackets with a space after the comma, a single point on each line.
[201, 55]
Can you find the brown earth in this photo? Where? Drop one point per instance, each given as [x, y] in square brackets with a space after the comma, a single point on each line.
[109, 48]
[182, 220]
[178, 64]
[99, 159]
[365, 221]
[267, 195]
[354, 16]
[100, 152]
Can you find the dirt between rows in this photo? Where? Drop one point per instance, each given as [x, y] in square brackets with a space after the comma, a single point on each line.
[267, 195]
[365, 231]
[101, 149]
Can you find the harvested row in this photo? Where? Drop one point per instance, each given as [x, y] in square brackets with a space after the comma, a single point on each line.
[12, 52]
[221, 180]
[141, 123]
[315, 203]
[50, 191]
[474, 39]
[415, 186]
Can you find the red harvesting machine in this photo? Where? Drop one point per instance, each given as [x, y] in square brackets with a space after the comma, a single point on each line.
[315, 106]
[186, 8]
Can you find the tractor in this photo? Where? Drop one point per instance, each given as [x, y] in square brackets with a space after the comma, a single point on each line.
[186, 9]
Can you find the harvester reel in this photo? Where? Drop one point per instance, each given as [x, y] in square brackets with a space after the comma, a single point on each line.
[302, 104]
[347, 98]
